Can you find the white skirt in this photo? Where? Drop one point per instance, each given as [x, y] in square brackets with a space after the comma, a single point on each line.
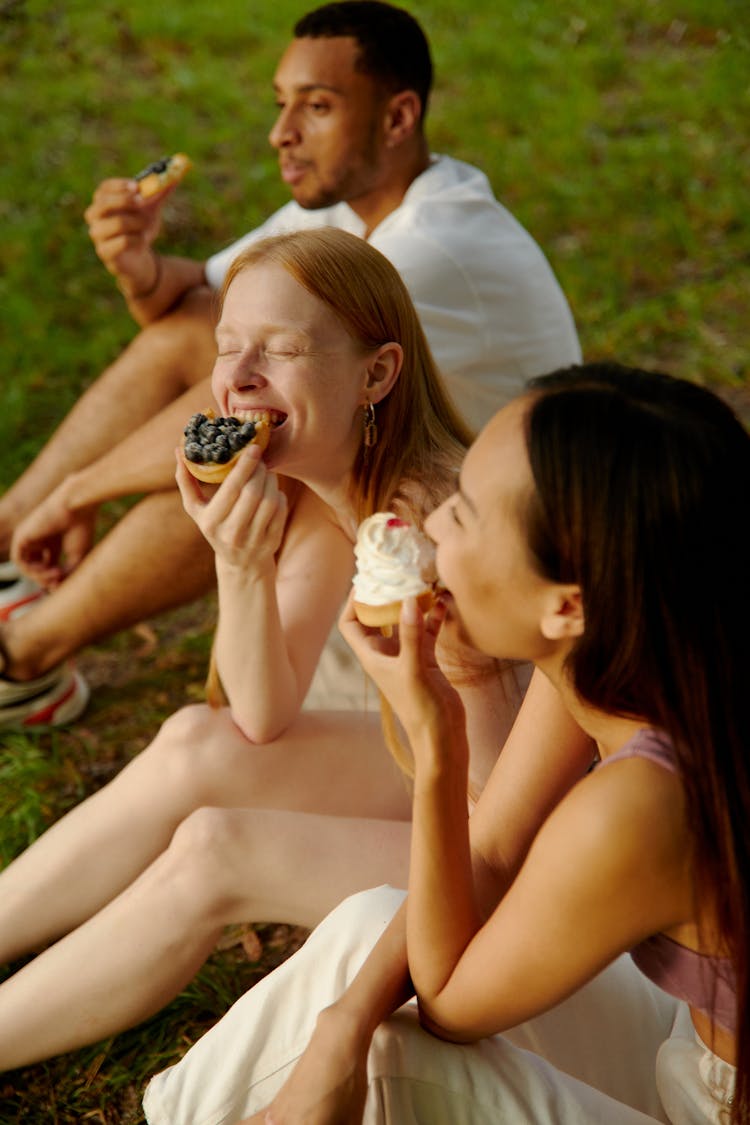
[618, 1052]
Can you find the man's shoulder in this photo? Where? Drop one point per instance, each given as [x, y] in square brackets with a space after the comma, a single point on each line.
[451, 201]
[450, 214]
[447, 175]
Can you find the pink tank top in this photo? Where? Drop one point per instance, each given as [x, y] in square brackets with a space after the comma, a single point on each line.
[706, 983]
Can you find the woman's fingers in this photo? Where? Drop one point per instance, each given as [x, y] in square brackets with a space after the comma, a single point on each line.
[246, 479]
[363, 640]
[347, 614]
[195, 495]
[412, 644]
[198, 495]
[242, 516]
[248, 512]
[410, 629]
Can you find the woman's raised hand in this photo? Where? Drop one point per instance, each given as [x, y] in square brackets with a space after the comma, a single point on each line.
[243, 518]
[405, 668]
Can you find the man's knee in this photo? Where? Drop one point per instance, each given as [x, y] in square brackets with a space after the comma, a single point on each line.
[182, 342]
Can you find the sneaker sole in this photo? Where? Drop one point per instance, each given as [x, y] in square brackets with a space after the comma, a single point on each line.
[50, 708]
[66, 710]
[9, 572]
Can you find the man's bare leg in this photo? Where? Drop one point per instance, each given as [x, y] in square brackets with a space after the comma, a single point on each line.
[165, 358]
[155, 558]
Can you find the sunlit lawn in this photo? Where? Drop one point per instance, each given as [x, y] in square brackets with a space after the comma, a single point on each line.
[616, 132]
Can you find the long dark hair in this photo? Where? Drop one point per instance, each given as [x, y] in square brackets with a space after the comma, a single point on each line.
[642, 490]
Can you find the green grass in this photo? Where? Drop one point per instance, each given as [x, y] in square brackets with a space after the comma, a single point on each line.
[620, 140]
[104, 1083]
[616, 132]
[36, 785]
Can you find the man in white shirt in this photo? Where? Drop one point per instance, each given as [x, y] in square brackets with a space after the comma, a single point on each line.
[352, 90]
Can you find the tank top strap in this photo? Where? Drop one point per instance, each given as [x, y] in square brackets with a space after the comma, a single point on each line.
[646, 743]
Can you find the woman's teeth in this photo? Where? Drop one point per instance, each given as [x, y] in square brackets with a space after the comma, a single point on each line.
[271, 417]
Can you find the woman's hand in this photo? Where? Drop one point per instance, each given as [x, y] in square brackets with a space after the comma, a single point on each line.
[328, 1085]
[243, 518]
[406, 670]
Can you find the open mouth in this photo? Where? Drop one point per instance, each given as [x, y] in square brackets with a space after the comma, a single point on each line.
[273, 418]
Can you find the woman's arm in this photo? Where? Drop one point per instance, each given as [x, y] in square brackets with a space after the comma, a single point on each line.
[281, 581]
[607, 868]
[577, 884]
[491, 693]
[542, 757]
[328, 1085]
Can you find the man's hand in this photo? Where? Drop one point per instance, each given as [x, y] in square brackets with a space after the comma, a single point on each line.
[123, 226]
[53, 539]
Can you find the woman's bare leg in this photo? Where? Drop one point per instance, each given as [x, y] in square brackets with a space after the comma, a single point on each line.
[223, 865]
[333, 764]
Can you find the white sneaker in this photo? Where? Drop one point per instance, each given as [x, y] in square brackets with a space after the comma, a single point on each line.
[17, 593]
[56, 698]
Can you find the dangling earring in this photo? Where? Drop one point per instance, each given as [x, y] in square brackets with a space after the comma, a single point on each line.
[371, 429]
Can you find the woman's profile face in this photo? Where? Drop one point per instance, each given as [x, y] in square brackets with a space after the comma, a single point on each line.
[281, 350]
[482, 552]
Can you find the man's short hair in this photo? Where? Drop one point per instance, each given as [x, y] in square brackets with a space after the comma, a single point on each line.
[393, 49]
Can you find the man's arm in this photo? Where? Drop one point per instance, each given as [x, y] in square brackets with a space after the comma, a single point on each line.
[123, 227]
[172, 277]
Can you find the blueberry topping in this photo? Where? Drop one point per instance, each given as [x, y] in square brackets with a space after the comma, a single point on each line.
[216, 439]
[194, 452]
[157, 168]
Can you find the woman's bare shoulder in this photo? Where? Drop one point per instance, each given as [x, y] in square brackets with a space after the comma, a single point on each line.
[313, 529]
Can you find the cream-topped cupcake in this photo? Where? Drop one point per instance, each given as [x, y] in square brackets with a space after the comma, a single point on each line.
[394, 561]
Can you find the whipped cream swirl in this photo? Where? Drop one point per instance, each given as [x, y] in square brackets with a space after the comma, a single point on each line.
[394, 560]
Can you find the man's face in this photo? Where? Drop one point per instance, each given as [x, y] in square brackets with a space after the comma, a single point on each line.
[329, 133]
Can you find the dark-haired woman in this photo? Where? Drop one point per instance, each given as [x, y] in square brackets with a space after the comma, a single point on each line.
[585, 937]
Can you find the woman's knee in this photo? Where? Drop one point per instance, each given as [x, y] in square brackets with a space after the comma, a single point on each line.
[200, 858]
[202, 755]
[181, 758]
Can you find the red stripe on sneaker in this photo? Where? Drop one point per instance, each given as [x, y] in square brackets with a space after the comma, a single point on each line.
[8, 610]
[47, 714]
